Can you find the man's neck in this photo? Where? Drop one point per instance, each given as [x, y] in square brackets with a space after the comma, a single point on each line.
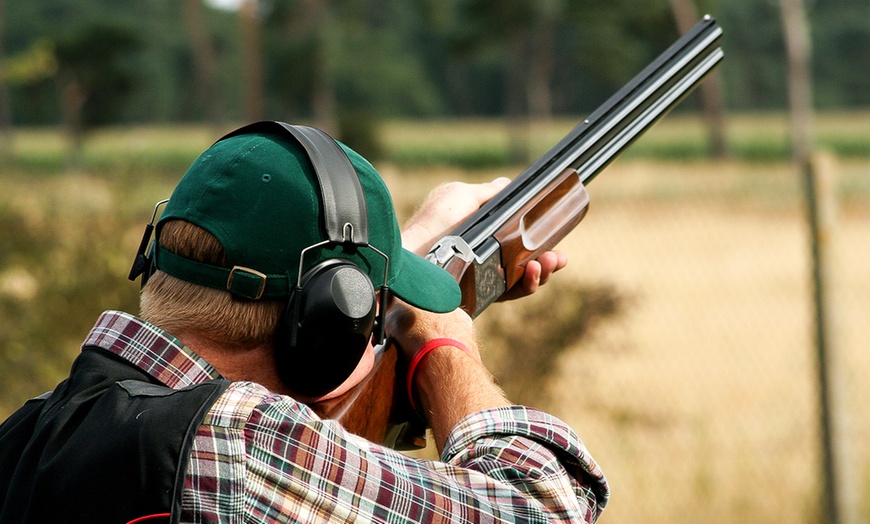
[254, 364]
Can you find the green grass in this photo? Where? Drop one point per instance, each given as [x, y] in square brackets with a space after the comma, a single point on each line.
[123, 150]
[485, 144]
[466, 144]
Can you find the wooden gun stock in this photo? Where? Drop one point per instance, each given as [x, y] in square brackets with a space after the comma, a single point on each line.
[488, 252]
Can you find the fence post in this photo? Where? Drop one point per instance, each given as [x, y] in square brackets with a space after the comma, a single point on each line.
[841, 494]
[840, 503]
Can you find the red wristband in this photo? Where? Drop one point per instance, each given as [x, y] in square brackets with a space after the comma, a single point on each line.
[424, 350]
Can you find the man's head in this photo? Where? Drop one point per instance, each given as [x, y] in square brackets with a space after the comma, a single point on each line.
[256, 198]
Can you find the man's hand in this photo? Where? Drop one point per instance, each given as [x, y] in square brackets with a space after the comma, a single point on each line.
[447, 206]
[444, 208]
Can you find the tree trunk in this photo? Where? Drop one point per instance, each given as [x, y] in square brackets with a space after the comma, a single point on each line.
[323, 97]
[207, 92]
[798, 56]
[516, 97]
[5, 109]
[72, 102]
[540, 96]
[710, 90]
[252, 61]
[841, 500]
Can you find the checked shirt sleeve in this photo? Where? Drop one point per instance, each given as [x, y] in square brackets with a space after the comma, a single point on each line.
[267, 458]
[537, 454]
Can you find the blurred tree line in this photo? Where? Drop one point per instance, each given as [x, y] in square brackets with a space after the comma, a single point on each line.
[343, 63]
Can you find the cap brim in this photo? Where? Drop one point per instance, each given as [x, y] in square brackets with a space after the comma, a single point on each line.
[425, 285]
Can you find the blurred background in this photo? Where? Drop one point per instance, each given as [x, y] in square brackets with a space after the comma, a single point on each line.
[708, 338]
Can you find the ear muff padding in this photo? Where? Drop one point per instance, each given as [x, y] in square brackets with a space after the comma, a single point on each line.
[326, 327]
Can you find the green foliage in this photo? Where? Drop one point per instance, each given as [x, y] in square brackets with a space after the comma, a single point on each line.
[842, 51]
[94, 60]
[32, 65]
[595, 48]
[157, 66]
[399, 58]
[753, 42]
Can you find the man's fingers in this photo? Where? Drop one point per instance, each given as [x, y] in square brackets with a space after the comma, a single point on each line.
[496, 185]
[482, 193]
[550, 262]
[537, 273]
[532, 277]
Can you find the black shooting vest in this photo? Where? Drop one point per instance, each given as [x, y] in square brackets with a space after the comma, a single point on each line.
[110, 445]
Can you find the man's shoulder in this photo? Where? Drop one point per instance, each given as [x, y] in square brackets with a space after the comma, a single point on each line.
[249, 403]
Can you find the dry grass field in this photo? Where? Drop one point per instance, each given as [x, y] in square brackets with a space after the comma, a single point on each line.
[689, 371]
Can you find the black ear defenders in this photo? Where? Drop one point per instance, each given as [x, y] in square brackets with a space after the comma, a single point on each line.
[333, 312]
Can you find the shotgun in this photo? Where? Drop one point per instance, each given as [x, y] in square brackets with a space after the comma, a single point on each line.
[487, 253]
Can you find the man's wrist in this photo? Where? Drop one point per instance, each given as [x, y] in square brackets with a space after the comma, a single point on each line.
[422, 353]
[450, 386]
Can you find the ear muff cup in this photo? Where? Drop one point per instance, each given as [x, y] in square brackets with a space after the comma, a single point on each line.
[326, 327]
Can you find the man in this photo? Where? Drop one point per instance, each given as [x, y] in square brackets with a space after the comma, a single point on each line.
[194, 412]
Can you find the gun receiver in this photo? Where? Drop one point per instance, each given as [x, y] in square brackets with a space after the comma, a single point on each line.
[487, 253]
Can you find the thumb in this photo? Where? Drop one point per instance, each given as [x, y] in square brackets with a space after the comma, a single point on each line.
[490, 189]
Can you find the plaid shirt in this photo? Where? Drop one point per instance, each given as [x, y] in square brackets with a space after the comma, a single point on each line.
[263, 457]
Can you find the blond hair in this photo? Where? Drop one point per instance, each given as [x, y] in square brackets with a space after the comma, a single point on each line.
[178, 306]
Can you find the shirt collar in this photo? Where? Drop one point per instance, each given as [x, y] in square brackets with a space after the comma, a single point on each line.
[151, 349]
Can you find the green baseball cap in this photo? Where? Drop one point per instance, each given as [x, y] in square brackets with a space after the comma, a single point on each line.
[257, 193]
